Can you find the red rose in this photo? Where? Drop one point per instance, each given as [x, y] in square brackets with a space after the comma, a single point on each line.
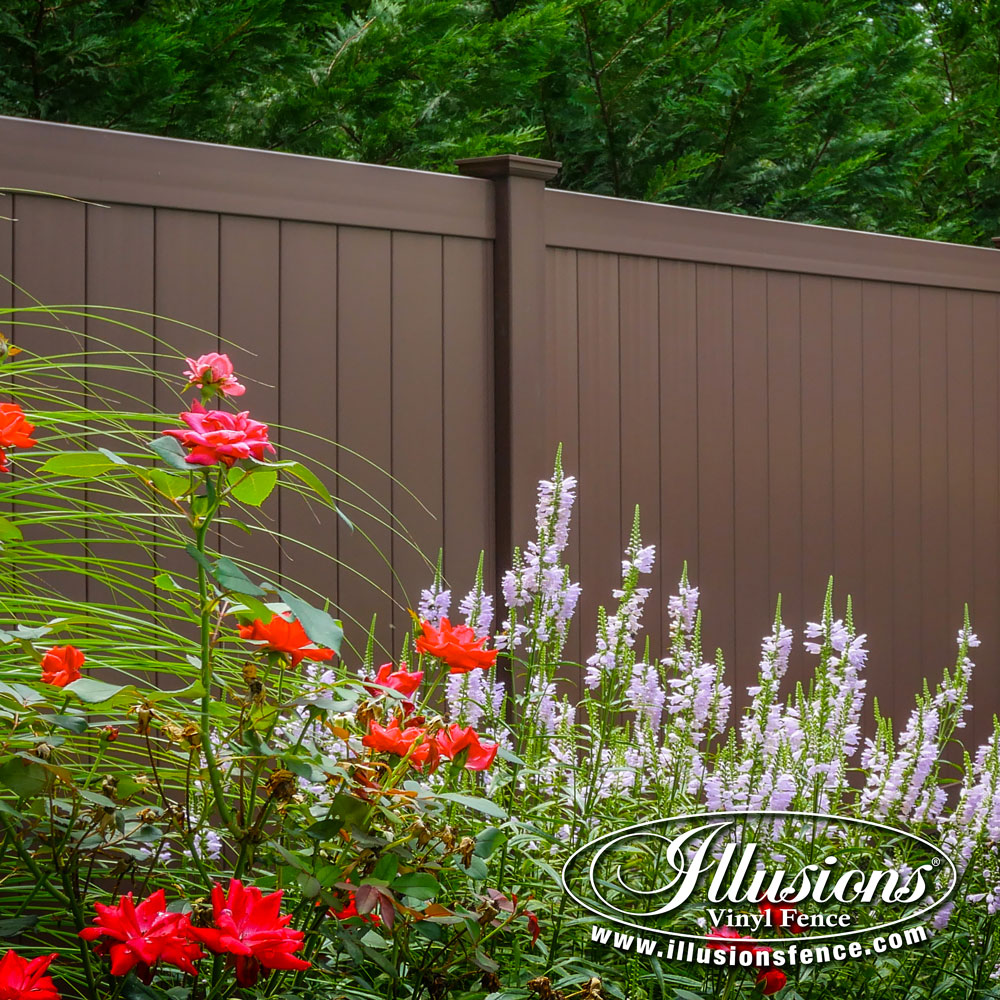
[213, 373]
[727, 937]
[15, 431]
[140, 937]
[392, 739]
[61, 665]
[453, 740]
[351, 910]
[398, 680]
[21, 979]
[215, 436]
[456, 645]
[252, 931]
[283, 636]
[772, 980]
[777, 911]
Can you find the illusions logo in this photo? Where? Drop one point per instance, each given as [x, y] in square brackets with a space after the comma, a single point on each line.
[835, 877]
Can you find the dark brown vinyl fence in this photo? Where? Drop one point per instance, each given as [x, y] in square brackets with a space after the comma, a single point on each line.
[783, 401]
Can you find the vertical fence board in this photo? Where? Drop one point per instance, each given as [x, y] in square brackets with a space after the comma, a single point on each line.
[51, 269]
[562, 400]
[308, 379]
[817, 434]
[679, 438]
[120, 244]
[249, 272]
[600, 507]
[418, 434]
[364, 422]
[753, 604]
[186, 290]
[960, 477]
[906, 519]
[933, 563]
[7, 208]
[640, 415]
[985, 605]
[785, 443]
[467, 506]
[867, 306]
[715, 457]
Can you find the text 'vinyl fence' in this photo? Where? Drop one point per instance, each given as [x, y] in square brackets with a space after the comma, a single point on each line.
[782, 401]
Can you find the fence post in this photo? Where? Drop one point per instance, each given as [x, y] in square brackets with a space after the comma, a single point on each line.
[518, 328]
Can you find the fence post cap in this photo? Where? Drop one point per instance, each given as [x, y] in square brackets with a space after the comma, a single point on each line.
[508, 165]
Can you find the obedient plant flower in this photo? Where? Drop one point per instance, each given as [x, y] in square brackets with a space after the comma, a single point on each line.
[453, 740]
[282, 634]
[24, 979]
[456, 645]
[477, 608]
[646, 694]
[434, 604]
[216, 436]
[15, 432]
[142, 936]
[617, 633]
[213, 373]
[252, 931]
[61, 665]
[538, 582]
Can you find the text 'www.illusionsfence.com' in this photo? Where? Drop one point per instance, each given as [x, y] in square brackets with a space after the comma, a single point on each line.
[746, 957]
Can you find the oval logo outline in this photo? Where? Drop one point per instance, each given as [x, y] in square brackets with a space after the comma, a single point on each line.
[936, 903]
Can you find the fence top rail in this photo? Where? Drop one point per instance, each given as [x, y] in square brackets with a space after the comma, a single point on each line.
[614, 225]
[126, 168]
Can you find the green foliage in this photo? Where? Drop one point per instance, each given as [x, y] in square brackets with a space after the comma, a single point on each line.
[870, 114]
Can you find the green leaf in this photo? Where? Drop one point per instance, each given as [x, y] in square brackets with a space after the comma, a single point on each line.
[97, 798]
[73, 723]
[309, 885]
[164, 581]
[169, 483]
[488, 841]
[321, 627]
[225, 573]
[9, 532]
[387, 867]
[94, 692]
[169, 449]
[249, 608]
[13, 926]
[24, 778]
[485, 806]
[419, 885]
[347, 811]
[230, 577]
[112, 457]
[80, 464]
[135, 990]
[253, 488]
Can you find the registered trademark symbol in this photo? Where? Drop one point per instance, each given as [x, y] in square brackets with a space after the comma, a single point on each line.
[936, 862]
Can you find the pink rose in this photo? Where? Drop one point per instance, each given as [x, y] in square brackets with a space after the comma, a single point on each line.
[215, 436]
[213, 373]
